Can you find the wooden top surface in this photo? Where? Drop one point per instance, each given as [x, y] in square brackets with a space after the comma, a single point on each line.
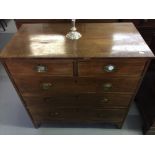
[99, 40]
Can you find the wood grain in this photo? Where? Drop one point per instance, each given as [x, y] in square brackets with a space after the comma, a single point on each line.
[78, 115]
[99, 40]
[34, 85]
[29, 67]
[105, 100]
[96, 68]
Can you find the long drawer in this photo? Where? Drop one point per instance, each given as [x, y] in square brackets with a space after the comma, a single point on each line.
[116, 67]
[106, 100]
[79, 115]
[49, 85]
[40, 67]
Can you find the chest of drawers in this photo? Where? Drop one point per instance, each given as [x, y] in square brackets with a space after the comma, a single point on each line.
[90, 80]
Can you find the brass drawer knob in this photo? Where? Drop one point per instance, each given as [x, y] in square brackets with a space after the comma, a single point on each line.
[105, 100]
[41, 68]
[109, 68]
[46, 86]
[107, 86]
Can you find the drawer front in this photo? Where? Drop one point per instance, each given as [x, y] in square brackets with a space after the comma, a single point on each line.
[115, 67]
[153, 125]
[82, 100]
[107, 85]
[41, 67]
[79, 115]
[48, 85]
[105, 100]
[51, 101]
[32, 85]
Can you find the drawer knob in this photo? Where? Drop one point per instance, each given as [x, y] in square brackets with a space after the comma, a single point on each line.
[47, 99]
[107, 86]
[41, 68]
[100, 115]
[46, 86]
[105, 100]
[54, 114]
[109, 68]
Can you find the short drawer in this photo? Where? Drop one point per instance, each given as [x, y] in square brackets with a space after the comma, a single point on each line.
[115, 67]
[49, 85]
[34, 85]
[51, 101]
[103, 85]
[40, 67]
[79, 115]
[104, 100]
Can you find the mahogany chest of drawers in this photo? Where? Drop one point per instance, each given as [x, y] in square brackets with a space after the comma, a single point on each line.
[90, 80]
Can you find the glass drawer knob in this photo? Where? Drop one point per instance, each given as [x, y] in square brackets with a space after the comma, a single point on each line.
[109, 68]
